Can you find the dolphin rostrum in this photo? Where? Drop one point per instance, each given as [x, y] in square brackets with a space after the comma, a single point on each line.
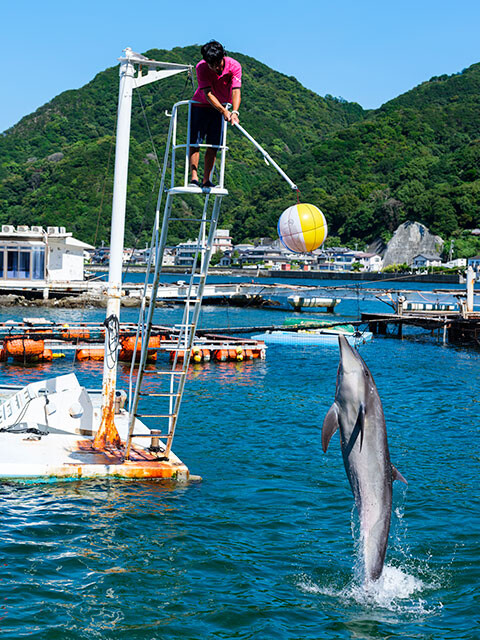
[357, 411]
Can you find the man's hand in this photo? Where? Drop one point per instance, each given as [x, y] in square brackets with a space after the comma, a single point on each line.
[234, 119]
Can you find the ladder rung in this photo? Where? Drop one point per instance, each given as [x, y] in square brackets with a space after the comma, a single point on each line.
[168, 373]
[149, 435]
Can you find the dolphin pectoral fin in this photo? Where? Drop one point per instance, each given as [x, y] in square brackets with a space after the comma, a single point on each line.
[397, 475]
[361, 423]
[330, 425]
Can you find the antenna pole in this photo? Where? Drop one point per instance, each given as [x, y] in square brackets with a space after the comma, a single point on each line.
[107, 433]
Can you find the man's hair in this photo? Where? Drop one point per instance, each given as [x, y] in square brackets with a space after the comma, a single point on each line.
[213, 52]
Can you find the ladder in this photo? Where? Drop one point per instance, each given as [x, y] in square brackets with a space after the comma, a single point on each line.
[171, 382]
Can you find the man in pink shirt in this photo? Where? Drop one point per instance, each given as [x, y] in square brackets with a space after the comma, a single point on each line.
[219, 82]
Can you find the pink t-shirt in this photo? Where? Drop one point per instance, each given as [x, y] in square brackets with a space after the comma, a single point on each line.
[222, 85]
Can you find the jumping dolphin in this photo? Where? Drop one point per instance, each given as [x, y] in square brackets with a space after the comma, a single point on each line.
[357, 410]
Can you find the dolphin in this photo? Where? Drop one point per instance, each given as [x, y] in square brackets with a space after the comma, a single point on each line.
[357, 411]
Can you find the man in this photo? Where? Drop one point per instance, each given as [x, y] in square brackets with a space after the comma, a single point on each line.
[219, 81]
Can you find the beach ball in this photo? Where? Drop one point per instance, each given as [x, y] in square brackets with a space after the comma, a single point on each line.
[302, 228]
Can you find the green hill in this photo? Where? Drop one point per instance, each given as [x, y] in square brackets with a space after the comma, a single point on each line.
[415, 157]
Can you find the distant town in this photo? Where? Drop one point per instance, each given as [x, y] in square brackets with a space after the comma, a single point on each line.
[270, 254]
[47, 255]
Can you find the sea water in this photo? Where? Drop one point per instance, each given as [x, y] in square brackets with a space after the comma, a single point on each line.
[265, 545]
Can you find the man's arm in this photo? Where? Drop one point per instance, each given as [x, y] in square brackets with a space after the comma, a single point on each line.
[236, 99]
[216, 104]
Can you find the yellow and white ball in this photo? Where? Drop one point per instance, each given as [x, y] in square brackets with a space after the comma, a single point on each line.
[302, 228]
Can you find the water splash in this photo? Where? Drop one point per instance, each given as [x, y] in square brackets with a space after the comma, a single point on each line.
[395, 591]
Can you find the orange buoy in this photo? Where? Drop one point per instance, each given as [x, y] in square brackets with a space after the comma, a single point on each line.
[24, 347]
[206, 355]
[46, 356]
[75, 333]
[3, 355]
[126, 355]
[180, 355]
[128, 343]
[221, 355]
[248, 354]
[90, 354]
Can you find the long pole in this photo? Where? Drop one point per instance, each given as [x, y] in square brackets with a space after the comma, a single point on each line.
[107, 432]
[268, 158]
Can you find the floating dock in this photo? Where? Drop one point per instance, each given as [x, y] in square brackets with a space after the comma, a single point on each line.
[38, 340]
[451, 327]
[61, 446]
[94, 293]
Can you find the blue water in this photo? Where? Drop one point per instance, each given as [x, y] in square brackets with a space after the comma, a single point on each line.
[265, 546]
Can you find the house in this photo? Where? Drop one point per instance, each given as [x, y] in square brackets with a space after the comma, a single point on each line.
[370, 261]
[185, 251]
[267, 253]
[222, 241]
[458, 263]
[424, 260]
[43, 256]
[474, 263]
[341, 258]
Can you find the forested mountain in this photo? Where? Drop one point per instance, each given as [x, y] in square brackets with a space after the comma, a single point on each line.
[415, 157]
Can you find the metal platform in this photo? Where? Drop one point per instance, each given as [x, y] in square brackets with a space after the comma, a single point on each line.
[61, 445]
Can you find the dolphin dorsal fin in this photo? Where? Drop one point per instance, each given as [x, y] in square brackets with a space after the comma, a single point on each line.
[330, 425]
[397, 475]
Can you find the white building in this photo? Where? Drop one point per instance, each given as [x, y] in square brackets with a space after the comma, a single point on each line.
[39, 255]
[458, 263]
[370, 261]
[222, 241]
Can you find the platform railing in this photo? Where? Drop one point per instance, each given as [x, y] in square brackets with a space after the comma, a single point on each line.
[222, 147]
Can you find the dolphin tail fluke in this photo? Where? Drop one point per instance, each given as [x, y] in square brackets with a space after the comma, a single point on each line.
[397, 475]
[330, 425]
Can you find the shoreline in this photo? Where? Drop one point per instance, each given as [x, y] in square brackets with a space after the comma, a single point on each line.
[303, 275]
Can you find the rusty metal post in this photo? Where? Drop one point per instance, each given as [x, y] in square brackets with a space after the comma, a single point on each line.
[107, 432]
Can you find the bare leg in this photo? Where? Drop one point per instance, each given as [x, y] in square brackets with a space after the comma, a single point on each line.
[210, 156]
[194, 158]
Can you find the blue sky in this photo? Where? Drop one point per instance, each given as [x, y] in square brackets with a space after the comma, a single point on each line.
[368, 52]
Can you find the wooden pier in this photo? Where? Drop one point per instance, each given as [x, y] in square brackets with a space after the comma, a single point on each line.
[451, 327]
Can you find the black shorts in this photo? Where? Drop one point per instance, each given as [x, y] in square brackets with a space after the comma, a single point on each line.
[205, 126]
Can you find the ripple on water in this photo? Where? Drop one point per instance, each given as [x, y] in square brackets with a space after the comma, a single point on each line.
[263, 547]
